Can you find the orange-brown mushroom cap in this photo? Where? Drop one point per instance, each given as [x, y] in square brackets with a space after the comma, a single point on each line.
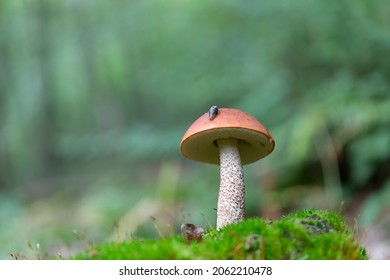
[199, 142]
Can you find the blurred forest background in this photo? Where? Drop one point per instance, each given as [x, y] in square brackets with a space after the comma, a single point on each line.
[96, 95]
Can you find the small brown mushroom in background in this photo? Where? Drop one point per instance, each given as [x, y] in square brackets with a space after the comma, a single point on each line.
[191, 232]
[228, 137]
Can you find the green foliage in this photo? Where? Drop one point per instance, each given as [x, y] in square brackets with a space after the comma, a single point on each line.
[307, 234]
[92, 80]
[375, 207]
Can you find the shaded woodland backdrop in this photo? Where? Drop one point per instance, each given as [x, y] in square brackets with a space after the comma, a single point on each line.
[96, 95]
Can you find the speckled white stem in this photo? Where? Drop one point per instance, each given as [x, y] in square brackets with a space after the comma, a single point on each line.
[231, 198]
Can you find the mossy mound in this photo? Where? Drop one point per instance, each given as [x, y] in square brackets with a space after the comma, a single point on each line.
[307, 234]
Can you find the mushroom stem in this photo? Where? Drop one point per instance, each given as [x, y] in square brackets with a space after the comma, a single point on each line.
[231, 198]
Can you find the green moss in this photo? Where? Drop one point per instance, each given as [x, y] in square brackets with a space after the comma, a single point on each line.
[307, 234]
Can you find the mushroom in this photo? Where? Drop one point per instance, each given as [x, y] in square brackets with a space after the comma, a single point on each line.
[231, 138]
